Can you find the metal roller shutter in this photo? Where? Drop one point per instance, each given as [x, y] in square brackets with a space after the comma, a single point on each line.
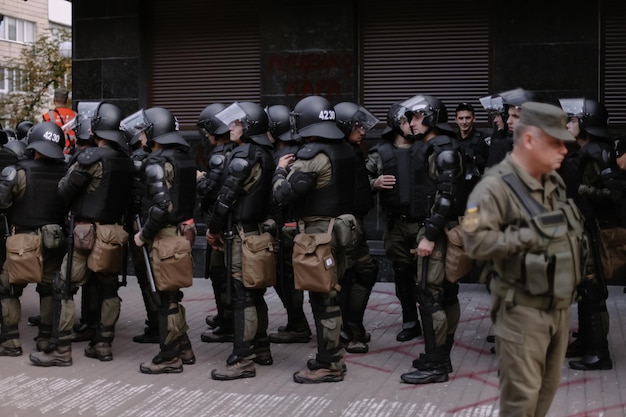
[216, 58]
[614, 94]
[439, 48]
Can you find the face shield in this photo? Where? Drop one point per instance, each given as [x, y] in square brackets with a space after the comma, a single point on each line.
[363, 118]
[134, 123]
[416, 104]
[231, 114]
[486, 102]
[574, 107]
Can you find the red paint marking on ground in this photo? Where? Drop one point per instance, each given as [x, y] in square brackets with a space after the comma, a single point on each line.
[384, 292]
[599, 411]
[473, 405]
[576, 382]
[376, 368]
[473, 349]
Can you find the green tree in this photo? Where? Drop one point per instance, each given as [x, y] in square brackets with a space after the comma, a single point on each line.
[40, 66]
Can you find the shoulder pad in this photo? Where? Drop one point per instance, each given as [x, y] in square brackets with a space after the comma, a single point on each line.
[217, 161]
[138, 164]
[155, 172]
[139, 155]
[374, 148]
[238, 167]
[308, 151]
[442, 141]
[448, 159]
[89, 156]
[8, 173]
[241, 151]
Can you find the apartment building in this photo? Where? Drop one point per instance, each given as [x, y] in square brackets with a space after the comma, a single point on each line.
[21, 22]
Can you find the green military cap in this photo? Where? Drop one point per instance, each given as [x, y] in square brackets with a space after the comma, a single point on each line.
[547, 117]
[61, 94]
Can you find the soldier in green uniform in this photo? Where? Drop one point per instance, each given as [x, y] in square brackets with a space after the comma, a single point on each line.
[520, 221]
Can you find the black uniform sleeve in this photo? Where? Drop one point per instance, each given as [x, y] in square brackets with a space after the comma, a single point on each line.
[448, 166]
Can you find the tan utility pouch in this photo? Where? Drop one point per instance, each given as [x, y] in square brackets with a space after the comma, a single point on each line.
[52, 236]
[84, 237]
[458, 264]
[345, 230]
[258, 262]
[24, 260]
[613, 252]
[313, 262]
[107, 252]
[172, 263]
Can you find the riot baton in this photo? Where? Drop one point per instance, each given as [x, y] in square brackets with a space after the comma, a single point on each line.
[229, 235]
[146, 260]
[594, 233]
[124, 263]
[70, 256]
[424, 283]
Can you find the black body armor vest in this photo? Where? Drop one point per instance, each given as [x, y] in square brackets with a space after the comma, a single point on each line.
[336, 197]
[41, 204]
[107, 203]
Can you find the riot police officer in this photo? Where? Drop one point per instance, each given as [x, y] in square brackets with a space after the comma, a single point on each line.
[320, 186]
[387, 164]
[169, 172]
[28, 191]
[599, 193]
[512, 101]
[97, 189]
[220, 147]
[361, 270]
[241, 206]
[438, 167]
[286, 142]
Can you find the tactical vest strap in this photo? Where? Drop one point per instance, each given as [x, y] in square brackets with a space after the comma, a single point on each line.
[513, 297]
[533, 208]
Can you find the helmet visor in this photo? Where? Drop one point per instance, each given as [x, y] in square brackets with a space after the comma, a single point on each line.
[486, 103]
[231, 114]
[416, 104]
[87, 108]
[134, 123]
[573, 106]
[363, 118]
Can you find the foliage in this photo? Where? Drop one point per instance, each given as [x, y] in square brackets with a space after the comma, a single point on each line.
[42, 69]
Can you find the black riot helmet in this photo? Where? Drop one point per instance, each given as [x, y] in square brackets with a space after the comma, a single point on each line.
[494, 104]
[516, 97]
[280, 123]
[22, 128]
[349, 115]
[253, 118]
[433, 109]
[161, 126]
[105, 124]
[17, 147]
[592, 115]
[315, 116]
[48, 139]
[207, 123]
[395, 116]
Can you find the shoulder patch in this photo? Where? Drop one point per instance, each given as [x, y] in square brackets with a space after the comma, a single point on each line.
[471, 220]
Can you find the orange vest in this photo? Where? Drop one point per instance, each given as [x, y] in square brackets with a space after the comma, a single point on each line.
[60, 116]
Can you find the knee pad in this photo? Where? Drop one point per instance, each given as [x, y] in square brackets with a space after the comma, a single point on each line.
[44, 289]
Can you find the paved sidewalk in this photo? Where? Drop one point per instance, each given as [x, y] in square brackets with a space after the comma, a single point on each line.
[372, 387]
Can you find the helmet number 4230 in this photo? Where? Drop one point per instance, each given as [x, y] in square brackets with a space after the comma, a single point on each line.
[327, 115]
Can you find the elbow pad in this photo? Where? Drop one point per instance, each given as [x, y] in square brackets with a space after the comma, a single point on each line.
[302, 182]
[157, 189]
[8, 178]
[436, 223]
[75, 182]
[157, 217]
